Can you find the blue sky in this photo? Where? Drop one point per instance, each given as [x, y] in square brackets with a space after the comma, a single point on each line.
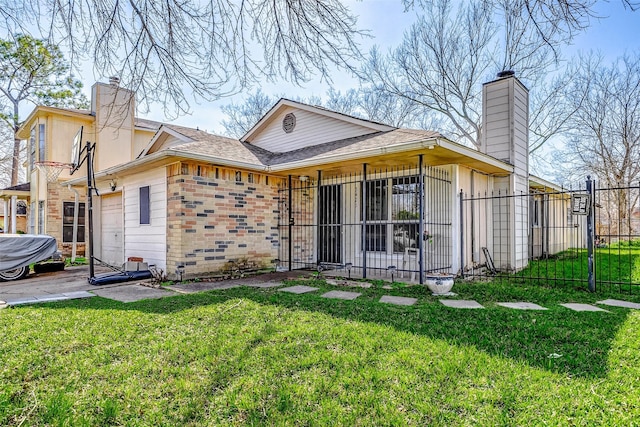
[616, 33]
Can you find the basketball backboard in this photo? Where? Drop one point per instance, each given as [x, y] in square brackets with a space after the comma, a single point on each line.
[76, 150]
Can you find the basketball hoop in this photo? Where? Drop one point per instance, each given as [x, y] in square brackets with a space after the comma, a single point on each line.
[52, 169]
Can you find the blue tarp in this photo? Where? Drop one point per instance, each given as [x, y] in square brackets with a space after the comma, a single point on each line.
[20, 250]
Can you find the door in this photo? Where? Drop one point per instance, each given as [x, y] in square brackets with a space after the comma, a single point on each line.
[111, 220]
[330, 224]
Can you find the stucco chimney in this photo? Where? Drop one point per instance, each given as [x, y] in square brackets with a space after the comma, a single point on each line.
[114, 109]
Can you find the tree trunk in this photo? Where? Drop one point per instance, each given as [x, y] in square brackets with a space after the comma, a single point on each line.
[16, 147]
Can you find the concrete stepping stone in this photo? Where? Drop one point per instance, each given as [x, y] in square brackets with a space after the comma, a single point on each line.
[389, 299]
[460, 303]
[341, 295]
[619, 303]
[299, 289]
[582, 307]
[522, 305]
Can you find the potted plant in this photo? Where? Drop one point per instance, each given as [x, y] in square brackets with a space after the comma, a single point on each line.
[439, 283]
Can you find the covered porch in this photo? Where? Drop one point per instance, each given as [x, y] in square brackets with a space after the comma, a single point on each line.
[370, 220]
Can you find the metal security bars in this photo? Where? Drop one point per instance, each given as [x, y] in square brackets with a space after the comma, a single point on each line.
[369, 224]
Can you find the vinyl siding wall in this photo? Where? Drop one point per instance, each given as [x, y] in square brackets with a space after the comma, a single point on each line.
[147, 241]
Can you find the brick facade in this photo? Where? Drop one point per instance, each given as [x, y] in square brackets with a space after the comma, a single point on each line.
[56, 196]
[217, 215]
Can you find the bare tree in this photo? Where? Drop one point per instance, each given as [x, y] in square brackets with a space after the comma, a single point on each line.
[604, 139]
[448, 53]
[165, 50]
[241, 117]
[367, 103]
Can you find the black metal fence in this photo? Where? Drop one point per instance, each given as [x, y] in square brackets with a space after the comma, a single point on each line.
[376, 222]
[585, 237]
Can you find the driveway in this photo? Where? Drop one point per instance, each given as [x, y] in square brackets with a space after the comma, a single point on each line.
[72, 283]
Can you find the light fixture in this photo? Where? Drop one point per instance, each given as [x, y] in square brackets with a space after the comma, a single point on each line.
[304, 178]
[113, 183]
[348, 267]
[392, 269]
[180, 271]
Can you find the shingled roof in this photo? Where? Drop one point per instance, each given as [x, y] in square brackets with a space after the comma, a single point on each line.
[221, 147]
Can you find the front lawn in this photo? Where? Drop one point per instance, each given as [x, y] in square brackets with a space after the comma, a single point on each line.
[250, 356]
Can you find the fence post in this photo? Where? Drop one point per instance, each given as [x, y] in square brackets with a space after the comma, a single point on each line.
[462, 233]
[291, 220]
[590, 237]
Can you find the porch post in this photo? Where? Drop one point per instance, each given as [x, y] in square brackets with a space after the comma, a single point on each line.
[14, 206]
[290, 224]
[462, 232]
[363, 239]
[591, 277]
[6, 216]
[319, 249]
[421, 223]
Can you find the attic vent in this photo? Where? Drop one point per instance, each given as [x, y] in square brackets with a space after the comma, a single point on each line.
[289, 123]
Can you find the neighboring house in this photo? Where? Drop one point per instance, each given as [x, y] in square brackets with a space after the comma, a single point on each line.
[13, 209]
[305, 186]
[49, 132]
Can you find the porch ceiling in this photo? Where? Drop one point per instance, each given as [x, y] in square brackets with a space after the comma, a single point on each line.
[435, 155]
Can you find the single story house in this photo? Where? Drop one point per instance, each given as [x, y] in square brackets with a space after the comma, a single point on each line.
[305, 186]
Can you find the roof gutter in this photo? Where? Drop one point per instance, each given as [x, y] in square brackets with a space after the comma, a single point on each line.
[421, 144]
[165, 155]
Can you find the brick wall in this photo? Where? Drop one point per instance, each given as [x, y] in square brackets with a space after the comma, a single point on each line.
[216, 215]
[56, 196]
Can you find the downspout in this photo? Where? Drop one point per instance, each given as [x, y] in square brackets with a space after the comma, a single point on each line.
[421, 223]
[76, 208]
[14, 206]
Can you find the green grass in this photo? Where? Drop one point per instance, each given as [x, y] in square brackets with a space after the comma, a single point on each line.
[250, 356]
[616, 267]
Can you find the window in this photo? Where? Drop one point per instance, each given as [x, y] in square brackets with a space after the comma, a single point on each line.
[21, 207]
[41, 217]
[32, 149]
[238, 176]
[67, 222]
[41, 144]
[392, 214]
[145, 206]
[535, 213]
[250, 178]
